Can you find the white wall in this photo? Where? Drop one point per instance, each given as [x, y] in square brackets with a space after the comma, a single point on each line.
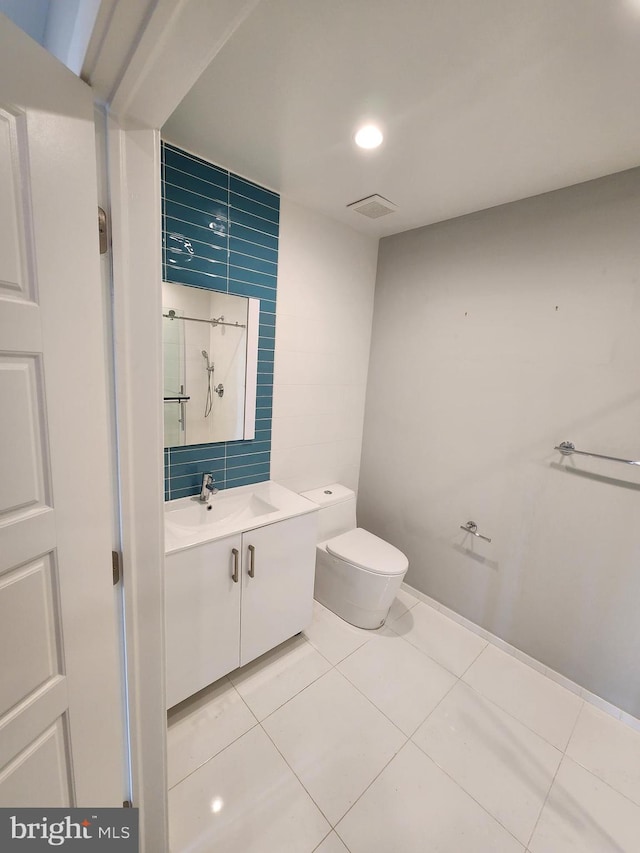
[326, 278]
[68, 31]
[29, 15]
[496, 336]
[63, 27]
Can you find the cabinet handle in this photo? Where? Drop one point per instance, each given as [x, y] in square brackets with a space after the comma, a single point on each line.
[252, 561]
[235, 574]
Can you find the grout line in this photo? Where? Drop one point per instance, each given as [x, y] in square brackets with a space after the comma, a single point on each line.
[218, 276]
[323, 840]
[211, 198]
[182, 188]
[194, 158]
[395, 755]
[431, 658]
[242, 266]
[464, 791]
[483, 695]
[570, 758]
[215, 755]
[189, 155]
[227, 252]
[371, 702]
[522, 657]
[407, 739]
[302, 689]
[333, 667]
[518, 720]
[228, 232]
[275, 745]
[544, 803]
[220, 751]
[434, 709]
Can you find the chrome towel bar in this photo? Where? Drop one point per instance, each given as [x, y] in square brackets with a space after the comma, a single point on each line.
[472, 527]
[567, 448]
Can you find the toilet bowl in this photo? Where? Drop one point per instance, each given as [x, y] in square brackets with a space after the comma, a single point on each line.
[357, 574]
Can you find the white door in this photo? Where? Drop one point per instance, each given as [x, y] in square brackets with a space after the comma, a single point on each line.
[60, 689]
[277, 583]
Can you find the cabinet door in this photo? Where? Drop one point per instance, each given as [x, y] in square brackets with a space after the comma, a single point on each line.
[277, 601]
[202, 613]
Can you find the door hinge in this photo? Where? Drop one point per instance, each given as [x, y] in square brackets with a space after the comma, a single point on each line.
[102, 231]
[116, 565]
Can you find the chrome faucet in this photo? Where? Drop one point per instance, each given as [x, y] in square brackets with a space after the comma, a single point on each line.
[207, 488]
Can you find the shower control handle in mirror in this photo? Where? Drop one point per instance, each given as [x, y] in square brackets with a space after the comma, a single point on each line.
[219, 389]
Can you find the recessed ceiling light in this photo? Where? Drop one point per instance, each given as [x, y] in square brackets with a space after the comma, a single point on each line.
[369, 136]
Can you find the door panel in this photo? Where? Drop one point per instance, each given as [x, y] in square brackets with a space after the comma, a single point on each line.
[39, 773]
[202, 612]
[29, 653]
[60, 692]
[24, 474]
[13, 251]
[277, 601]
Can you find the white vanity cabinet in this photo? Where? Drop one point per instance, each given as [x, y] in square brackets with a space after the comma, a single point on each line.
[215, 622]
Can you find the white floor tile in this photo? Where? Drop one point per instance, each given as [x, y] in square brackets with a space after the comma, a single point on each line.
[584, 815]
[448, 643]
[403, 601]
[335, 741]
[505, 766]
[245, 800]
[535, 700]
[332, 636]
[609, 749]
[414, 807]
[400, 680]
[268, 682]
[202, 726]
[332, 844]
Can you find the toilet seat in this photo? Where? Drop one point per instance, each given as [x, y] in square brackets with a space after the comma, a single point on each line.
[366, 551]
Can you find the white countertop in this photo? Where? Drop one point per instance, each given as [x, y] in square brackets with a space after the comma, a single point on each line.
[178, 537]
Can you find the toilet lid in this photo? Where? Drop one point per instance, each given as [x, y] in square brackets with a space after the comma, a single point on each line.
[367, 551]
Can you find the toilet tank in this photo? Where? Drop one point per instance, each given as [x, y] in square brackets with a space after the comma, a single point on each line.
[337, 509]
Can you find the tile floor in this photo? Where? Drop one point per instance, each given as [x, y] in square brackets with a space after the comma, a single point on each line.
[418, 737]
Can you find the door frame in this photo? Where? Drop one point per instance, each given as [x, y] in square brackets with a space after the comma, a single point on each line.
[164, 57]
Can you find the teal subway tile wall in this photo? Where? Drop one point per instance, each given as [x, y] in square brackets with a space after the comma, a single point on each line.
[220, 232]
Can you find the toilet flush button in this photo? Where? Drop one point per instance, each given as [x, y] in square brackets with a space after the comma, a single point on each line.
[328, 492]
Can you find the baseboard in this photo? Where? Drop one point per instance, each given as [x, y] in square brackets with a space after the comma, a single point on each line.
[572, 686]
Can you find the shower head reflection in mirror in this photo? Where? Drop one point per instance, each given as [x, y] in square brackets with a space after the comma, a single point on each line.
[223, 332]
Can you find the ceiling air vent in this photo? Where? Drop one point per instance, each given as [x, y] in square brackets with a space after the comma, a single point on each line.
[374, 206]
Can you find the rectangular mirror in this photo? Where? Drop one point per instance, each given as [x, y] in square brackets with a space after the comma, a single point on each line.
[210, 351]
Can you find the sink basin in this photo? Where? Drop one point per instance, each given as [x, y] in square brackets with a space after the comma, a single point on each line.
[188, 522]
[197, 515]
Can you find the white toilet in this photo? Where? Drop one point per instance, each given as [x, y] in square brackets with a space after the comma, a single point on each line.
[357, 574]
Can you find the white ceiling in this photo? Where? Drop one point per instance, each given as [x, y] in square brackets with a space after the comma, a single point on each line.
[482, 102]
